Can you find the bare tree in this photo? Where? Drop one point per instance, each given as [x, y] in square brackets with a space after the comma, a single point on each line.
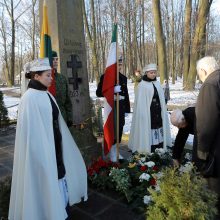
[203, 11]
[173, 63]
[91, 34]
[33, 27]
[12, 7]
[4, 37]
[186, 39]
[161, 47]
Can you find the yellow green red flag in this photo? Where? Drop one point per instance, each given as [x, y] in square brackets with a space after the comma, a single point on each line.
[45, 45]
[45, 41]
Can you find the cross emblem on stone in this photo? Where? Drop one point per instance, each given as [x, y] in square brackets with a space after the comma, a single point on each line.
[74, 64]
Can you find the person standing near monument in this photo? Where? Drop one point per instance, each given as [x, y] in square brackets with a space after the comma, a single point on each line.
[49, 173]
[61, 92]
[150, 125]
[124, 105]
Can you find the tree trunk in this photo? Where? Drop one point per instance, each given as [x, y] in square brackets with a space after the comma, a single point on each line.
[173, 63]
[203, 43]
[186, 40]
[204, 8]
[129, 51]
[143, 37]
[134, 41]
[12, 74]
[160, 39]
[5, 47]
[92, 41]
[167, 24]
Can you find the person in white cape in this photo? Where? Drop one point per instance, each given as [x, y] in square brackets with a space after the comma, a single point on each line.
[49, 173]
[150, 124]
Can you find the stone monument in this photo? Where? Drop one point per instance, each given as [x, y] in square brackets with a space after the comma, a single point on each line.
[67, 35]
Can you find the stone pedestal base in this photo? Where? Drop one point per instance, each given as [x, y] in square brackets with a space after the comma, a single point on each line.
[87, 144]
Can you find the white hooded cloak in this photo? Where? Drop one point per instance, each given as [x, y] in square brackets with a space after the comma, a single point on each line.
[140, 134]
[35, 193]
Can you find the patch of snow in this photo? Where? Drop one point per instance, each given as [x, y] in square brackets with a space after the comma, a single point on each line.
[11, 101]
[178, 98]
[14, 89]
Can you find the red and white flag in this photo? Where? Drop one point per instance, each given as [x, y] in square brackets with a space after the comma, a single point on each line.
[108, 92]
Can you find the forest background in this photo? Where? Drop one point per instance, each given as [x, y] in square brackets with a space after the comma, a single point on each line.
[172, 33]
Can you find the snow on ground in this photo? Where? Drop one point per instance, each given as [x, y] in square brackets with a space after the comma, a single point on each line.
[177, 95]
[11, 103]
[15, 89]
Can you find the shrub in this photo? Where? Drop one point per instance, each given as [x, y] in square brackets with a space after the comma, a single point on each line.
[122, 180]
[182, 195]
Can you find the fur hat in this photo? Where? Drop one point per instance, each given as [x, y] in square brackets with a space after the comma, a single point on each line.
[176, 117]
[40, 64]
[149, 67]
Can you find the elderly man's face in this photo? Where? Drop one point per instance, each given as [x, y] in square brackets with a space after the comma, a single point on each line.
[182, 123]
[202, 74]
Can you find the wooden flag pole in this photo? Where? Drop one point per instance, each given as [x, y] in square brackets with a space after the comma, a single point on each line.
[117, 101]
[117, 83]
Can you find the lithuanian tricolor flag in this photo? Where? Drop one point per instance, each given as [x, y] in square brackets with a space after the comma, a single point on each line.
[45, 46]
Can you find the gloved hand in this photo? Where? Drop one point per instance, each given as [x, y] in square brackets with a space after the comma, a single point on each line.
[117, 89]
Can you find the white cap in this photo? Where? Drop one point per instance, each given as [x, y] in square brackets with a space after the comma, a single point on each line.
[176, 117]
[40, 64]
[150, 67]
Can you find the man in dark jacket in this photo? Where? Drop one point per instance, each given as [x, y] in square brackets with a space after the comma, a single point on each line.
[124, 103]
[184, 120]
[208, 117]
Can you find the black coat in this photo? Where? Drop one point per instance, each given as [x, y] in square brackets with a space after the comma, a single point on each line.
[124, 105]
[208, 119]
[183, 133]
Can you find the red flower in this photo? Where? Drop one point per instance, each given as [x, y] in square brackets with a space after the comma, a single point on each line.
[90, 171]
[155, 168]
[96, 168]
[101, 162]
[100, 165]
[153, 182]
[143, 168]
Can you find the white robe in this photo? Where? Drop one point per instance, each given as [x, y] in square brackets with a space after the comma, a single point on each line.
[140, 134]
[35, 193]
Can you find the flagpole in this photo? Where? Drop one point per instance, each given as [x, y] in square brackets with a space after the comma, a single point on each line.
[117, 83]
